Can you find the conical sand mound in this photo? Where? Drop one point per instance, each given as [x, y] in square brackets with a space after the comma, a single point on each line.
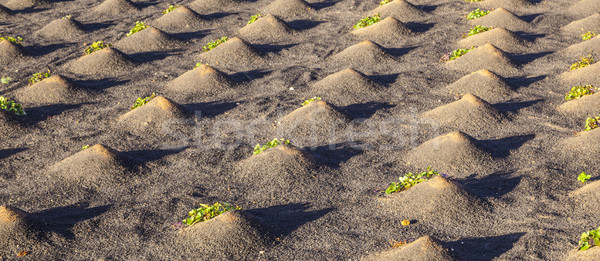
[234, 52]
[235, 234]
[455, 152]
[423, 249]
[16, 231]
[363, 55]
[484, 57]
[484, 84]
[510, 4]
[152, 115]
[399, 9]
[583, 48]
[147, 40]
[107, 61]
[587, 199]
[470, 114]
[202, 80]
[63, 29]
[181, 19]
[585, 7]
[501, 18]
[580, 146]
[10, 52]
[347, 83]
[53, 90]
[590, 23]
[590, 254]
[499, 37]
[114, 7]
[316, 122]
[269, 27]
[388, 28]
[24, 4]
[582, 76]
[287, 8]
[585, 106]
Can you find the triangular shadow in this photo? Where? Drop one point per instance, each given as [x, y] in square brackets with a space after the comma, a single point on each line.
[494, 185]
[364, 110]
[484, 248]
[62, 219]
[500, 148]
[285, 219]
[210, 109]
[5, 153]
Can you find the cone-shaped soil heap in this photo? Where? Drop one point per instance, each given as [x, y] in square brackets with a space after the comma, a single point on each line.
[235, 234]
[590, 254]
[316, 122]
[455, 152]
[202, 80]
[5, 13]
[585, 7]
[486, 56]
[108, 61]
[347, 82]
[363, 55]
[24, 4]
[234, 52]
[181, 19]
[16, 231]
[147, 40]
[152, 115]
[583, 48]
[52, 90]
[388, 28]
[484, 84]
[588, 196]
[288, 8]
[590, 23]
[470, 114]
[423, 249]
[10, 52]
[399, 9]
[583, 107]
[268, 27]
[114, 7]
[63, 29]
[582, 76]
[510, 4]
[580, 146]
[499, 37]
[501, 18]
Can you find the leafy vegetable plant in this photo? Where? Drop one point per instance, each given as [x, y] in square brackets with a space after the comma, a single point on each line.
[383, 2]
[589, 239]
[18, 40]
[477, 29]
[591, 123]
[588, 35]
[585, 62]
[367, 21]
[455, 54]
[207, 212]
[271, 144]
[311, 100]
[67, 17]
[213, 45]
[397, 244]
[11, 106]
[96, 46]
[38, 77]
[138, 27]
[85, 147]
[583, 177]
[5, 80]
[171, 8]
[199, 64]
[580, 91]
[409, 180]
[254, 18]
[477, 13]
[141, 101]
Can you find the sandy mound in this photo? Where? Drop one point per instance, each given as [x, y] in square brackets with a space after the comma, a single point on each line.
[583, 107]
[268, 27]
[583, 48]
[585, 7]
[56, 89]
[105, 62]
[63, 29]
[486, 56]
[203, 6]
[399, 9]
[9, 52]
[202, 80]
[231, 53]
[591, 254]
[499, 37]
[114, 7]
[423, 249]
[501, 18]
[582, 76]
[484, 84]
[181, 19]
[152, 115]
[288, 8]
[235, 234]
[147, 40]
[581, 145]
[24, 4]
[455, 152]
[345, 83]
[363, 55]
[590, 23]
[587, 199]
[16, 231]
[388, 28]
[510, 4]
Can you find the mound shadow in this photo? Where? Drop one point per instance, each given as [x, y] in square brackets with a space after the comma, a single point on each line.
[146, 57]
[186, 36]
[419, 27]
[100, 84]
[484, 248]
[248, 75]
[285, 219]
[41, 113]
[514, 106]
[304, 24]
[333, 155]
[364, 110]
[524, 81]
[400, 51]
[5, 153]
[494, 185]
[61, 219]
[272, 48]
[144, 156]
[528, 57]
[40, 50]
[210, 109]
[500, 148]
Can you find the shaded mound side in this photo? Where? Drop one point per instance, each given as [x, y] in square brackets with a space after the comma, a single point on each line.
[583, 48]
[17, 232]
[287, 8]
[202, 80]
[147, 40]
[152, 115]
[484, 57]
[423, 249]
[399, 9]
[268, 27]
[455, 152]
[179, 20]
[235, 234]
[56, 89]
[63, 29]
[388, 28]
[499, 37]
[501, 18]
[108, 61]
[582, 76]
[580, 146]
[24, 4]
[10, 52]
[114, 7]
[202, 6]
[234, 52]
[484, 84]
[583, 107]
[349, 84]
[510, 4]
[590, 254]
[363, 55]
[585, 7]
[590, 23]
[470, 114]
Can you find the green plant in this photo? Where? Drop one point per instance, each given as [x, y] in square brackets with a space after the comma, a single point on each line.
[5, 80]
[583, 177]
[589, 239]
[67, 17]
[212, 45]
[85, 147]
[141, 101]
[96, 46]
[254, 18]
[138, 27]
[383, 2]
[585, 62]
[171, 8]
[271, 144]
[11, 106]
[367, 21]
[579, 91]
[18, 40]
[37, 77]
[477, 13]
[455, 54]
[311, 100]
[206, 212]
[477, 29]
[409, 180]
[588, 35]
[591, 123]
[199, 64]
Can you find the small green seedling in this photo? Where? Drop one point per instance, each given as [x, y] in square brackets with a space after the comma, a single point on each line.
[588, 35]
[583, 177]
[477, 13]
[5, 80]
[383, 2]
[85, 147]
[38, 77]
[271, 144]
[199, 64]
[213, 45]
[589, 239]
[171, 8]
[584, 62]
[455, 54]
[96, 46]
[409, 180]
[311, 100]
[207, 212]
[580, 91]
[591, 123]
[11, 106]
[138, 27]
[477, 29]
[141, 101]
[18, 40]
[367, 21]
[67, 17]
[254, 18]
